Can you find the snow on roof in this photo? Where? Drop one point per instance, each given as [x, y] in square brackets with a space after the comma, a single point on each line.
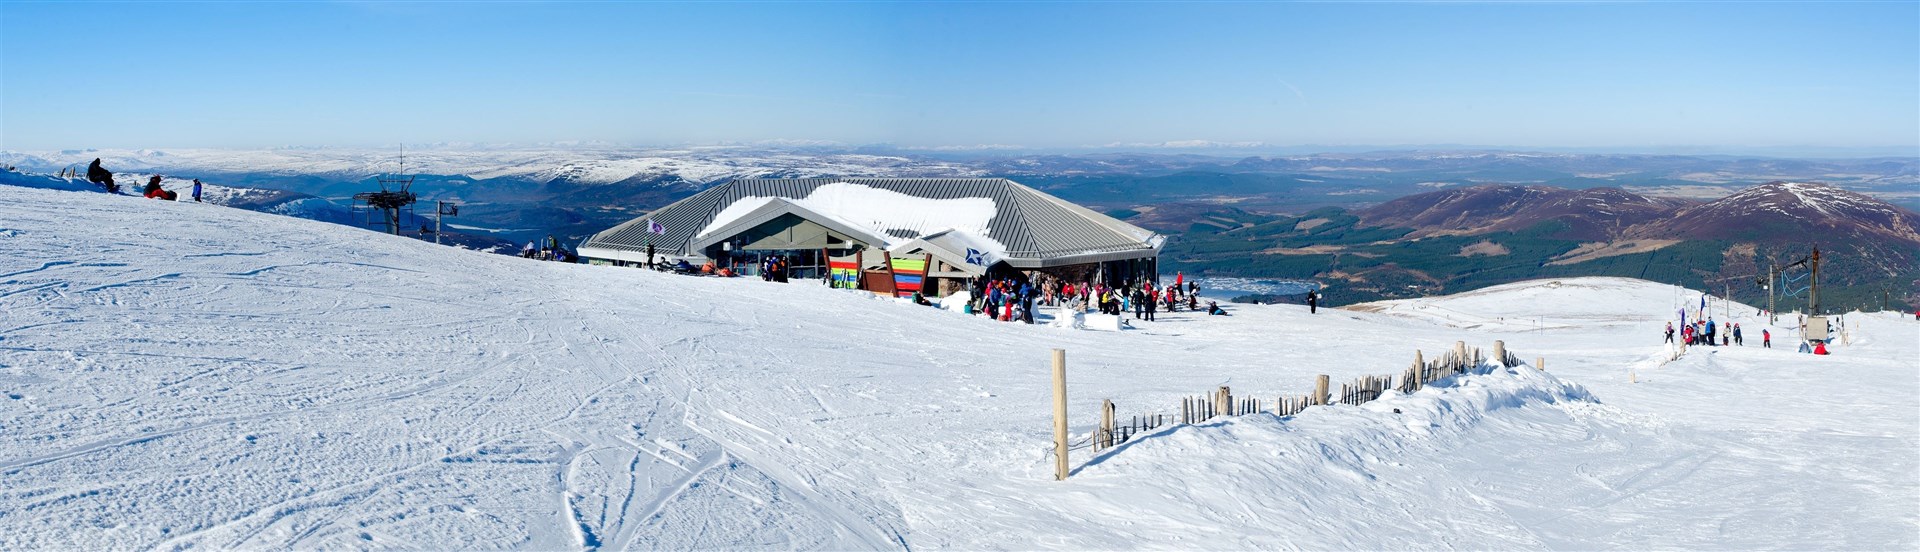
[1033, 229]
[895, 217]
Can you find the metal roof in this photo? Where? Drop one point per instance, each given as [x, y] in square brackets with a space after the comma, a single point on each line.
[1033, 226]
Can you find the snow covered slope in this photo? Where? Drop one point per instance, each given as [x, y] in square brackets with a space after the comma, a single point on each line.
[166, 382]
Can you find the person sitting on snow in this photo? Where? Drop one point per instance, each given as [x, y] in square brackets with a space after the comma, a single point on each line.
[1819, 347]
[154, 191]
[1213, 308]
[98, 175]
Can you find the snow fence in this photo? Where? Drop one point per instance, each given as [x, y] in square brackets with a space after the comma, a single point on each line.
[1445, 371]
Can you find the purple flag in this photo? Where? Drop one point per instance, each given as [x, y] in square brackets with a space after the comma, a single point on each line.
[655, 227]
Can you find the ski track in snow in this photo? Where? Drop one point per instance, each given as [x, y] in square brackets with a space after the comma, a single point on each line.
[178, 375]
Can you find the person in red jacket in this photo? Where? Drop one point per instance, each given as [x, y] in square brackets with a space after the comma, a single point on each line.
[154, 191]
[1820, 347]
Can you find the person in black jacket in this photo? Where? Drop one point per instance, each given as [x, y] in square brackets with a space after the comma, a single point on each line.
[98, 175]
[1313, 302]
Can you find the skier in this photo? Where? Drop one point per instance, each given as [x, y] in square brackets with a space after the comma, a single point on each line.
[1709, 334]
[196, 190]
[1819, 347]
[98, 175]
[1313, 305]
[1766, 338]
[1669, 331]
[1153, 303]
[1214, 309]
[1737, 339]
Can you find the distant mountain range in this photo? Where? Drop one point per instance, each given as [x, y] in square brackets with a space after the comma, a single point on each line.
[1589, 214]
[1458, 239]
[1259, 215]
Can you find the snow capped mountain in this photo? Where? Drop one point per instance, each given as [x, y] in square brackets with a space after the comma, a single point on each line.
[1769, 212]
[1791, 210]
[1590, 214]
[179, 375]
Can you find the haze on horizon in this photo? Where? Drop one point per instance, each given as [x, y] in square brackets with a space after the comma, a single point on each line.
[1725, 78]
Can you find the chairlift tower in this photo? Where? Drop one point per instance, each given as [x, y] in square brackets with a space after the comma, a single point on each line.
[395, 196]
[442, 210]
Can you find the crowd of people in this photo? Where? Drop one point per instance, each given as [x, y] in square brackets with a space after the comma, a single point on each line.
[1711, 333]
[1708, 332]
[774, 268]
[548, 250]
[1012, 298]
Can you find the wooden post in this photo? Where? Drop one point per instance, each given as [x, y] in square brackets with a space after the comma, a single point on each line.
[1059, 414]
[1540, 363]
[1320, 390]
[1419, 370]
[1500, 352]
[1105, 437]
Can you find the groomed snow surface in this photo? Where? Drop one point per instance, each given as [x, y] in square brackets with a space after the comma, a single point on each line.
[179, 375]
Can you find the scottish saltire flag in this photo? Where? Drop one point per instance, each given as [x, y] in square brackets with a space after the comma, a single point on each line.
[976, 257]
[656, 227]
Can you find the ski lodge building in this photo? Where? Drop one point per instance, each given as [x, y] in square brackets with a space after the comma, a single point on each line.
[889, 235]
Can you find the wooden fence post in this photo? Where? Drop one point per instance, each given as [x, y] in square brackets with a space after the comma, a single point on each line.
[1500, 352]
[1105, 437]
[1419, 370]
[1540, 363]
[1059, 414]
[1320, 390]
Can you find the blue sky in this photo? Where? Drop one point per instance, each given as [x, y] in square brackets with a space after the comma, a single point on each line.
[1040, 75]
